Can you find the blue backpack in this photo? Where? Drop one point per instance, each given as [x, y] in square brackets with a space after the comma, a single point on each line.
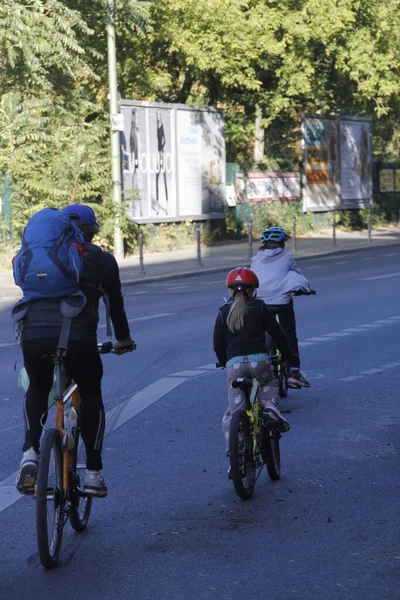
[50, 261]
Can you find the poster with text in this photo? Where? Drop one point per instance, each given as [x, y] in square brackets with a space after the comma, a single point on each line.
[356, 162]
[172, 162]
[321, 183]
[386, 180]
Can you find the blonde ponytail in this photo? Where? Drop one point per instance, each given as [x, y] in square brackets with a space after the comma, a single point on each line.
[236, 313]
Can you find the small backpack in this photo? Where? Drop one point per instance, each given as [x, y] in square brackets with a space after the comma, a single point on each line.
[50, 261]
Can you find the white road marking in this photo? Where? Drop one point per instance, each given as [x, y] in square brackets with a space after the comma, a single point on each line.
[303, 344]
[6, 345]
[373, 371]
[394, 318]
[208, 367]
[392, 254]
[135, 293]
[116, 417]
[315, 267]
[145, 318]
[178, 287]
[212, 282]
[368, 326]
[316, 339]
[335, 335]
[368, 258]
[384, 321]
[351, 330]
[342, 262]
[188, 373]
[379, 277]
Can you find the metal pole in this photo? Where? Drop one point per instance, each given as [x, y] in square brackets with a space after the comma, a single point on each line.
[143, 272]
[250, 226]
[334, 228]
[198, 241]
[294, 245]
[115, 150]
[370, 224]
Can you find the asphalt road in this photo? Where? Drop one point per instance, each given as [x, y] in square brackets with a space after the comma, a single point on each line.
[172, 527]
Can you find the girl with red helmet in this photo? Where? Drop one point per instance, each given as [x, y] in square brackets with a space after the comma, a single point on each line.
[240, 345]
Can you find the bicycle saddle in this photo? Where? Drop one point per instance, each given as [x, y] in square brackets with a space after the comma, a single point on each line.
[243, 383]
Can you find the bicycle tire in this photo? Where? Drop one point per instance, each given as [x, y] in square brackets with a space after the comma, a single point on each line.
[272, 454]
[283, 380]
[80, 505]
[49, 538]
[241, 457]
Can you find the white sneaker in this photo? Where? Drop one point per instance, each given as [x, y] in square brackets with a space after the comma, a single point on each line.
[94, 485]
[27, 474]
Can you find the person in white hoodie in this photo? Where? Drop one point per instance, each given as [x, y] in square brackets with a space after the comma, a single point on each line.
[279, 276]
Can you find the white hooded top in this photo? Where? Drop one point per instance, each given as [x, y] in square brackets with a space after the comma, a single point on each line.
[278, 275]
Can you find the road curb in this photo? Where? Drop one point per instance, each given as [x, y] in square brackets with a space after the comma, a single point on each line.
[204, 271]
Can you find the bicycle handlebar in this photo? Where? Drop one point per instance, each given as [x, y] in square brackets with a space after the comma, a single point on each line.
[108, 348]
[304, 292]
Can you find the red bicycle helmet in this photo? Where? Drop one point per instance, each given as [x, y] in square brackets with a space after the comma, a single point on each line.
[242, 278]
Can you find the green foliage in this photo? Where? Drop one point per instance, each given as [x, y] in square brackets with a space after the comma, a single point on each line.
[284, 57]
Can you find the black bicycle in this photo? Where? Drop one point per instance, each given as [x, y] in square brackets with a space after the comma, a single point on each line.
[282, 369]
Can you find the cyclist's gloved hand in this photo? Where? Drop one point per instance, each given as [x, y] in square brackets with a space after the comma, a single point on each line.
[124, 346]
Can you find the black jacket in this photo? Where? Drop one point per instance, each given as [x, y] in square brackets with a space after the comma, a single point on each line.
[250, 339]
[100, 273]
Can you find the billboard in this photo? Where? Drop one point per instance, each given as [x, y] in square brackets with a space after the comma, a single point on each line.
[273, 185]
[356, 162]
[173, 162]
[386, 180]
[321, 189]
[337, 161]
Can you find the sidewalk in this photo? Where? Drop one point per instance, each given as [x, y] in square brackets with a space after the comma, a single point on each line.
[159, 266]
[226, 256]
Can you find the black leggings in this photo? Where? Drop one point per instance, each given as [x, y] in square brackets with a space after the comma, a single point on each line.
[287, 321]
[84, 366]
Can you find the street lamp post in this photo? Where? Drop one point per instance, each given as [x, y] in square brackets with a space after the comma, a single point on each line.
[115, 130]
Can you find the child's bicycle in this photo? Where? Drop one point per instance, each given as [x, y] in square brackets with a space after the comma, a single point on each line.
[251, 443]
[58, 490]
[282, 369]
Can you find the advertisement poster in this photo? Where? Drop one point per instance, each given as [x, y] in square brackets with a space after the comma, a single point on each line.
[273, 185]
[397, 180]
[173, 162]
[321, 184]
[356, 162]
[386, 180]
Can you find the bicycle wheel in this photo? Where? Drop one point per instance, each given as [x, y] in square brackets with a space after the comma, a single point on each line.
[271, 453]
[80, 505]
[243, 467]
[283, 380]
[50, 499]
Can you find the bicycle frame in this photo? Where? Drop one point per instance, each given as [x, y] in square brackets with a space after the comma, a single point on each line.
[62, 397]
[253, 411]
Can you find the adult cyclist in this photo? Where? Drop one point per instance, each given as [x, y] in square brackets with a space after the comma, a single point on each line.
[40, 335]
[279, 275]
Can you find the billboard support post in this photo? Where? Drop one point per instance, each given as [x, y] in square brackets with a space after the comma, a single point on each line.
[370, 224]
[334, 229]
[250, 226]
[198, 242]
[115, 131]
[294, 245]
[143, 272]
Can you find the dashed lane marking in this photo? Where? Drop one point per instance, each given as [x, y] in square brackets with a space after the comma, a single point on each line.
[397, 274]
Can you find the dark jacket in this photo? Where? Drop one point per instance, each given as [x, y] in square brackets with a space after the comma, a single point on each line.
[250, 339]
[100, 273]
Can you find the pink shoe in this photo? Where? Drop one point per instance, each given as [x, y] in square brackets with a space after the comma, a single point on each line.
[273, 418]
